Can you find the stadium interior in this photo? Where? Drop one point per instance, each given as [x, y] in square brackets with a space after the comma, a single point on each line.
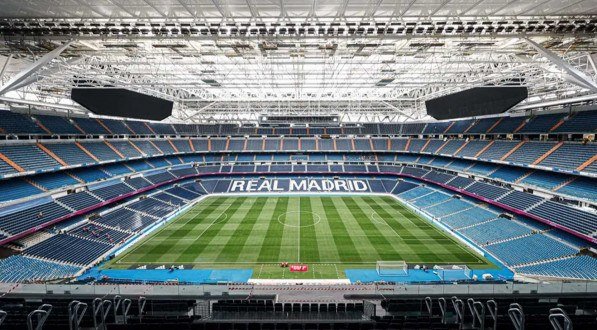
[292, 164]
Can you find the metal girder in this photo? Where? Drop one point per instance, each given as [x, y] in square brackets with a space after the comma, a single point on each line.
[18, 79]
[576, 76]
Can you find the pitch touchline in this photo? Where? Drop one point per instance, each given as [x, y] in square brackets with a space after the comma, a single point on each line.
[299, 231]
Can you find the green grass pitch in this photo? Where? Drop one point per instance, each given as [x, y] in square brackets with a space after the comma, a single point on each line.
[329, 233]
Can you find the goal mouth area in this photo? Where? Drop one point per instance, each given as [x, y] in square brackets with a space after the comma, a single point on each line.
[392, 268]
[453, 272]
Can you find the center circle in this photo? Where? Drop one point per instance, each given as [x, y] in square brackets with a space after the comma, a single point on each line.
[299, 219]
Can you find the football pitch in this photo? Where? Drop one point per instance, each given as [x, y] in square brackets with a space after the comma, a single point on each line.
[328, 233]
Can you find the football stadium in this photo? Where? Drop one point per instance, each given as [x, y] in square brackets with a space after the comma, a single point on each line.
[298, 165]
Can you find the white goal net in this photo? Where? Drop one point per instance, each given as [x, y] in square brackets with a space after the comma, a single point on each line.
[392, 268]
[454, 272]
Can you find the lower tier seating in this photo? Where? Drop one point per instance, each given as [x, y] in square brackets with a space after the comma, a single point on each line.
[529, 249]
[22, 268]
[69, 249]
[584, 267]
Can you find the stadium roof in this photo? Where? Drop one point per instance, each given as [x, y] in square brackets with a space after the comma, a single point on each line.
[364, 60]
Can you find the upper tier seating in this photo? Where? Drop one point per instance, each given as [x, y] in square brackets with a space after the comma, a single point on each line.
[584, 121]
[529, 152]
[90, 126]
[117, 127]
[472, 148]
[22, 124]
[486, 190]
[126, 148]
[460, 126]
[16, 123]
[29, 157]
[497, 150]
[482, 125]
[69, 153]
[570, 156]
[57, 125]
[138, 127]
[101, 151]
[541, 124]
[508, 125]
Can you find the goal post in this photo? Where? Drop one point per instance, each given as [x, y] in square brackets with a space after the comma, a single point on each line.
[454, 272]
[392, 268]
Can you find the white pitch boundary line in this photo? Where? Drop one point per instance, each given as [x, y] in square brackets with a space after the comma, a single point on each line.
[299, 230]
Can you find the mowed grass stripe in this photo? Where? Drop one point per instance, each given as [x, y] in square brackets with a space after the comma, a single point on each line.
[193, 249]
[256, 238]
[378, 239]
[195, 228]
[223, 238]
[152, 249]
[244, 232]
[237, 240]
[323, 233]
[384, 220]
[359, 236]
[423, 251]
[310, 250]
[273, 237]
[289, 249]
[344, 244]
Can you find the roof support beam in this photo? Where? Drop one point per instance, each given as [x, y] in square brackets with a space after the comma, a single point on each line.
[576, 76]
[24, 75]
[398, 110]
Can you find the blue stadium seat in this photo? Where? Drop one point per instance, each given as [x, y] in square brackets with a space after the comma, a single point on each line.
[68, 249]
[101, 151]
[57, 125]
[29, 157]
[18, 268]
[530, 249]
[17, 124]
[70, 153]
